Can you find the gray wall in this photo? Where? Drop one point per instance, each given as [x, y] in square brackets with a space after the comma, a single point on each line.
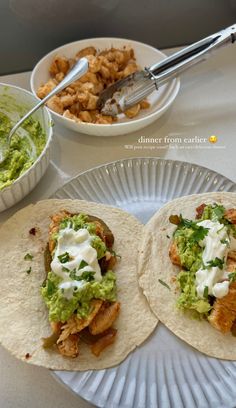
[31, 28]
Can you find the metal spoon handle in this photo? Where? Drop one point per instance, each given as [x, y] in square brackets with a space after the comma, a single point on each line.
[77, 71]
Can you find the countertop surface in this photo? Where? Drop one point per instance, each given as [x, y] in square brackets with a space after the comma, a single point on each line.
[204, 107]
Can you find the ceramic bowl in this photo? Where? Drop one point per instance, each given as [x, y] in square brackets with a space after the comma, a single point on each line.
[18, 102]
[146, 55]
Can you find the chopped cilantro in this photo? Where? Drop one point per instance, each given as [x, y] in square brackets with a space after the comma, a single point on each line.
[50, 287]
[63, 258]
[28, 257]
[29, 270]
[232, 276]
[184, 222]
[217, 212]
[199, 233]
[83, 264]
[88, 276]
[205, 293]
[225, 242]
[163, 283]
[217, 262]
[214, 212]
[114, 253]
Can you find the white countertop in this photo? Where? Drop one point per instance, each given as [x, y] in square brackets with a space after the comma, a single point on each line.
[205, 106]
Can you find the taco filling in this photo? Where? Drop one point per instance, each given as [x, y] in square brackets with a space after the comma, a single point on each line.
[80, 286]
[205, 250]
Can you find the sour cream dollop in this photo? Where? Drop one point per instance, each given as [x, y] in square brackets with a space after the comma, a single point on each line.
[215, 245]
[78, 245]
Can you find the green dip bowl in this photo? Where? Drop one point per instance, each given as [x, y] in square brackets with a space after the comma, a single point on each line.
[30, 147]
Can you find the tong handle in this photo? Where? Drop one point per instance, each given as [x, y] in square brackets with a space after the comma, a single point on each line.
[180, 61]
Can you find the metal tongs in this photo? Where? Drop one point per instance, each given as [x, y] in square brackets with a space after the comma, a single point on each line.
[128, 91]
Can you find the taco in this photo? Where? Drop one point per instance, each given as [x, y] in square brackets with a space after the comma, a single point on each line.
[69, 302]
[187, 270]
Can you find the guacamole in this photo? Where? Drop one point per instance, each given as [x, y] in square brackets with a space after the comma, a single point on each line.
[26, 145]
[61, 308]
[188, 237]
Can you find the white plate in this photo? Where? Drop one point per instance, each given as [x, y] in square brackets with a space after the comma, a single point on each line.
[160, 101]
[164, 372]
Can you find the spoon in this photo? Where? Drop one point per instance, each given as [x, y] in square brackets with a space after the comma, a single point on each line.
[77, 71]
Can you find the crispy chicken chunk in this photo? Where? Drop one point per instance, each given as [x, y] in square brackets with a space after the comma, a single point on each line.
[230, 215]
[199, 211]
[231, 261]
[104, 342]
[223, 314]
[69, 347]
[174, 254]
[104, 318]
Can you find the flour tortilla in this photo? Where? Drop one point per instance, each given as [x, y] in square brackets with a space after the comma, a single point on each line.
[23, 314]
[154, 264]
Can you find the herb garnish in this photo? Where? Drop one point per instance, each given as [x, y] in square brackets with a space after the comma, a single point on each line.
[217, 262]
[164, 283]
[29, 270]
[50, 287]
[28, 257]
[232, 276]
[199, 232]
[217, 212]
[114, 253]
[87, 276]
[225, 242]
[63, 258]
[205, 293]
[83, 264]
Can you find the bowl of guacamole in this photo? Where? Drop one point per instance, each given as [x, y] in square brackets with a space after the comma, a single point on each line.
[28, 155]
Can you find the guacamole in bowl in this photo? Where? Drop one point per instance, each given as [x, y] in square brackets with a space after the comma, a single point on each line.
[28, 155]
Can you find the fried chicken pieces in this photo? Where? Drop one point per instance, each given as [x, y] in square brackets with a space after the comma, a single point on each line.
[95, 330]
[79, 100]
[99, 321]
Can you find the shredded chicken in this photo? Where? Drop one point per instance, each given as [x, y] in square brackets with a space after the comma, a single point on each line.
[104, 318]
[104, 342]
[69, 347]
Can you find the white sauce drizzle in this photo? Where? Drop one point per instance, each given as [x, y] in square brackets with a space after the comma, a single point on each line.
[78, 246]
[213, 248]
